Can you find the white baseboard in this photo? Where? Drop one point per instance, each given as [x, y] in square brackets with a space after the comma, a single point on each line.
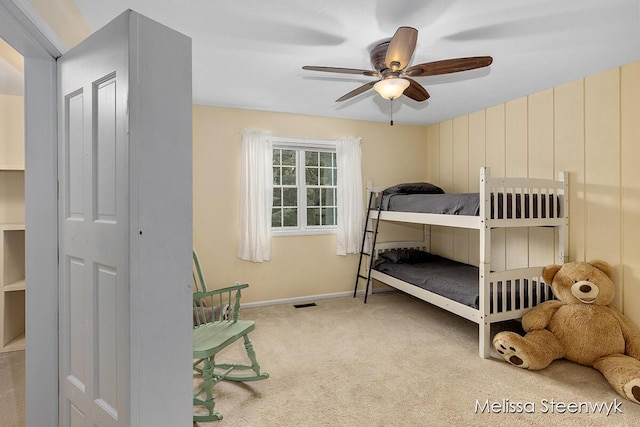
[312, 298]
[300, 300]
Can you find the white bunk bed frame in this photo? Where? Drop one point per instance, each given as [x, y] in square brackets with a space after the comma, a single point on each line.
[488, 280]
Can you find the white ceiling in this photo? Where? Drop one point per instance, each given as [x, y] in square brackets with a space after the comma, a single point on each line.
[248, 53]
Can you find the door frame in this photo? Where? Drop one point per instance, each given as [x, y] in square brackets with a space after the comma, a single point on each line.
[41, 208]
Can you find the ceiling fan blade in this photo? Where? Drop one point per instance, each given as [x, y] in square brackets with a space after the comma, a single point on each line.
[416, 91]
[401, 48]
[341, 70]
[357, 91]
[447, 66]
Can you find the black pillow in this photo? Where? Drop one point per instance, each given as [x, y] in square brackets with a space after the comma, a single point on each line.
[406, 256]
[414, 188]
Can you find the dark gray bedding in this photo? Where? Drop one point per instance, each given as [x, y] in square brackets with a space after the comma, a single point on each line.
[450, 279]
[450, 204]
[469, 204]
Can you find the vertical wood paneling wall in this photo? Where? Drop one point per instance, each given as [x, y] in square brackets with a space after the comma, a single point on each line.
[589, 128]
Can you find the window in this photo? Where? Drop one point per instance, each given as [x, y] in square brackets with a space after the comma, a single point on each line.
[304, 187]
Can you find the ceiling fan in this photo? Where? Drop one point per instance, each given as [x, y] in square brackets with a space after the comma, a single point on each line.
[390, 60]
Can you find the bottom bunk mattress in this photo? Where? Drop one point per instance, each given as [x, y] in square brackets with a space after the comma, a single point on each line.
[453, 280]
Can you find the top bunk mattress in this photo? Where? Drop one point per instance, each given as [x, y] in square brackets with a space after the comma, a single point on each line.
[524, 205]
[449, 204]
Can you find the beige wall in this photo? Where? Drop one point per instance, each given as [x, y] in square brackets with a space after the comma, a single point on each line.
[11, 131]
[10, 55]
[590, 128]
[64, 18]
[301, 265]
[11, 159]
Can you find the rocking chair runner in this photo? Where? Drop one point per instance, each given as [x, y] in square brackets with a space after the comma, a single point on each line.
[216, 325]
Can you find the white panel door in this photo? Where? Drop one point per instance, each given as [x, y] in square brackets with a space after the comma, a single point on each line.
[94, 231]
[125, 227]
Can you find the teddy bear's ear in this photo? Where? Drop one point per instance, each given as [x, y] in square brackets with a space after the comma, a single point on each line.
[549, 272]
[604, 266]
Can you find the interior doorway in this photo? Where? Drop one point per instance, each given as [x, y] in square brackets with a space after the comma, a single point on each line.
[40, 211]
[12, 236]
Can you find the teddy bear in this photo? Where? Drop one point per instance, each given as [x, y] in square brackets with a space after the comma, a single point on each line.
[580, 326]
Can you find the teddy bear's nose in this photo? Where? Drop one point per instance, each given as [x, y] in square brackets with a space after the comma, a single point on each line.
[586, 292]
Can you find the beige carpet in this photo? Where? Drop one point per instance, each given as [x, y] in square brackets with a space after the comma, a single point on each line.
[12, 389]
[397, 361]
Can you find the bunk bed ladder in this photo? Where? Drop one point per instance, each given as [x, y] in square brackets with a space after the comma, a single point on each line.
[369, 229]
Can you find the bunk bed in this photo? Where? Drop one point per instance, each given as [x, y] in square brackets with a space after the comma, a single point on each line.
[476, 293]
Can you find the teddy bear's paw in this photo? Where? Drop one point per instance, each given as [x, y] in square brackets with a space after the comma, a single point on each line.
[511, 352]
[632, 390]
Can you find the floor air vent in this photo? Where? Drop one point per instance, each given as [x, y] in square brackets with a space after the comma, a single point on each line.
[311, 304]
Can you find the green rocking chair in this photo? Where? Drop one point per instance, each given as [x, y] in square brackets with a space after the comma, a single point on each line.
[215, 326]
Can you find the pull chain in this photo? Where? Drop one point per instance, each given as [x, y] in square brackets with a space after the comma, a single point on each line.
[391, 114]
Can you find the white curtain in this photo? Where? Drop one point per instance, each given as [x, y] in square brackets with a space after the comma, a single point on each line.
[350, 204]
[256, 196]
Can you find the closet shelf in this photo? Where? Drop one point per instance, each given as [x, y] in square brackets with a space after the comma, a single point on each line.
[18, 343]
[15, 286]
[12, 284]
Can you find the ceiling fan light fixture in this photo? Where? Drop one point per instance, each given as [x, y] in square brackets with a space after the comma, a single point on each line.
[390, 61]
[391, 88]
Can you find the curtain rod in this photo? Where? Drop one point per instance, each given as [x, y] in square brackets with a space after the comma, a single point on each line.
[313, 141]
[293, 139]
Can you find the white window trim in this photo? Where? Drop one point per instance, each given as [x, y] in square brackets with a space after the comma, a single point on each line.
[311, 144]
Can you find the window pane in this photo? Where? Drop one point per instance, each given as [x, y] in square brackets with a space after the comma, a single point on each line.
[289, 197]
[311, 158]
[328, 216]
[328, 196]
[311, 176]
[326, 159]
[290, 217]
[288, 176]
[335, 175]
[326, 177]
[313, 197]
[276, 176]
[289, 157]
[313, 216]
[277, 197]
[276, 218]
